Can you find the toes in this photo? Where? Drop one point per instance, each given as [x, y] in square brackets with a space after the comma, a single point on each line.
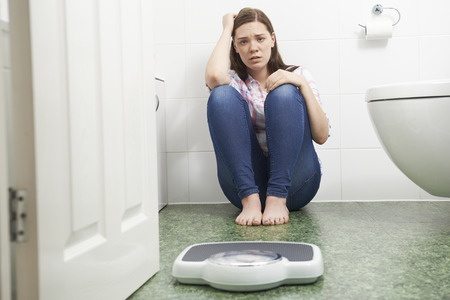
[275, 220]
[247, 221]
[240, 220]
[256, 221]
[268, 221]
[283, 220]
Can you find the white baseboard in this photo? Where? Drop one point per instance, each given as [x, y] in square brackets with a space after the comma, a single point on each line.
[338, 200]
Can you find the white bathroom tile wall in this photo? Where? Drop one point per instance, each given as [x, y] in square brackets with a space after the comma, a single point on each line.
[435, 57]
[196, 58]
[352, 13]
[178, 177]
[204, 19]
[170, 22]
[369, 63]
[203, 184]
[176, 125]
[433, 17]
[369, 174]
[320, 57]
[330, 185]
[331, 104]
[357, 129]
[170, 64]
[310, 19]
[198, 132]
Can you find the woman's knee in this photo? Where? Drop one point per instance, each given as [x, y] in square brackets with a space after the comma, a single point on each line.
[284, 93]
[222, 92]
[221, 97]
[286, 90]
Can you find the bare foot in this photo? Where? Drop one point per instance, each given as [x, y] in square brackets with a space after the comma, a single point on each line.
[251, 211]
[275, 212]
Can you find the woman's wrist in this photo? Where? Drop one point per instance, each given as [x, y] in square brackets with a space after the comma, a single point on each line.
[227, 30]
[299, 82]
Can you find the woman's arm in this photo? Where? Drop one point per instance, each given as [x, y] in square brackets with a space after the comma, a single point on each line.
[317, 119]
[219, 62]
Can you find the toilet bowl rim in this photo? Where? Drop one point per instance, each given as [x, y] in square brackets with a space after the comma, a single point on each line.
[409, 90]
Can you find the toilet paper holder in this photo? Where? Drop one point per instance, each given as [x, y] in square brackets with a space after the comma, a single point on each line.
[378, 9]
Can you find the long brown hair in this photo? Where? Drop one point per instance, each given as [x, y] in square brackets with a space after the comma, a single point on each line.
[248, 15]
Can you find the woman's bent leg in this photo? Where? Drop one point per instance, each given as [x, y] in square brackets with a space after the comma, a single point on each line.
[306, 174]
[291, 153]
[241, 164]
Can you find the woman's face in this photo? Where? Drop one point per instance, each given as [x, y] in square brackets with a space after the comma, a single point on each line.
[253, 42]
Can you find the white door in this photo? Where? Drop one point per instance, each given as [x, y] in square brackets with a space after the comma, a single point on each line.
[94, 147]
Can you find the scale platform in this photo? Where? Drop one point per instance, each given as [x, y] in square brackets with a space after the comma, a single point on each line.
[248, 266]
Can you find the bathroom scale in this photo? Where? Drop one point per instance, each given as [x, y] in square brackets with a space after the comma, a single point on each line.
[248, 266]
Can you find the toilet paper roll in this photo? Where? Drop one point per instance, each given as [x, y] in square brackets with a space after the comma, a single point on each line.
[379, 28]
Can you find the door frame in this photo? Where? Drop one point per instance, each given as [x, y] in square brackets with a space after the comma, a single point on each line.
[20, 143]
[5, 253]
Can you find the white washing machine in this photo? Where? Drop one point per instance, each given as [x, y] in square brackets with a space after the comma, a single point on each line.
[160, 107]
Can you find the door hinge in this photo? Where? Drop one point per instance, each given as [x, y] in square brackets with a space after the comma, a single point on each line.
[18, 214]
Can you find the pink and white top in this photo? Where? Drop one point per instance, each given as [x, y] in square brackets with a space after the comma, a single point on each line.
[255, 96]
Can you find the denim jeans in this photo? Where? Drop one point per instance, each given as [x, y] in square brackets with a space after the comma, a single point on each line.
[291, 170]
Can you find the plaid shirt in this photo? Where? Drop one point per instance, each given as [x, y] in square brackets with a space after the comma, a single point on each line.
[255, 96]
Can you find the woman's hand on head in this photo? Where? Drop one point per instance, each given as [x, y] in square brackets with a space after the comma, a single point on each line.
[228, 20]
[280, 77]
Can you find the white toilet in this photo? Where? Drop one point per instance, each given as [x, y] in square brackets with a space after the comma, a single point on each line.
[412, 121]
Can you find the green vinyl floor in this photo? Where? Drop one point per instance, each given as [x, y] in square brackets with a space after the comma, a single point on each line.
[371, 250]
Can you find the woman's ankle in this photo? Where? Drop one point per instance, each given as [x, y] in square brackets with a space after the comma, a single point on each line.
[275, 200]
[252, 199]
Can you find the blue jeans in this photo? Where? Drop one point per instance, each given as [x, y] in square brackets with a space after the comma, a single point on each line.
[291, 170]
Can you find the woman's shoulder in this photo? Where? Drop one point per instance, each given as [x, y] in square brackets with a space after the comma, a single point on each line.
[233, 75]
[301, 70]
[298, 69]
[236, 81]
